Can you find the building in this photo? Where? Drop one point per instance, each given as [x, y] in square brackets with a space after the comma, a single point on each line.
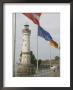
[25, 54]
[25, 67]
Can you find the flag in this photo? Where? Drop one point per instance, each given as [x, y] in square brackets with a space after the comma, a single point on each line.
[53, 43]
[33, 16]
[46, 35]
[41, 32]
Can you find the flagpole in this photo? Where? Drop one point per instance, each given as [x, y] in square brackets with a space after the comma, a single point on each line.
[50, 56]
[37, 50]
[53, 53]
[14, 43]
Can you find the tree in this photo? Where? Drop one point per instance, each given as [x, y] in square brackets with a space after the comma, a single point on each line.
[33, 59]
[57, 57]
[39, 62]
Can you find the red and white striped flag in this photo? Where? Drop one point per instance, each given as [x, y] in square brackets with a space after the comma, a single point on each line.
[33, 16]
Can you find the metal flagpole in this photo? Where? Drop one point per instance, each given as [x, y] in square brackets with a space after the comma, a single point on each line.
[50, 56]
[53, 53]
[14, 72]
[37, 50]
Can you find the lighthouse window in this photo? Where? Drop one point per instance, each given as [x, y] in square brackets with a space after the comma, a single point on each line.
[25, 56]
[25, 44]
[24, 40]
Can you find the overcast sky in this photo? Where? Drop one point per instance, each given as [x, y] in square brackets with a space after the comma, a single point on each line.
[51, 23]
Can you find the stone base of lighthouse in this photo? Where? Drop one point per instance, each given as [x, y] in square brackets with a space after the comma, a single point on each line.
[25, 70]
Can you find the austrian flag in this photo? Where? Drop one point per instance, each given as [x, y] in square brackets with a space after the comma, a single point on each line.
[35, 17]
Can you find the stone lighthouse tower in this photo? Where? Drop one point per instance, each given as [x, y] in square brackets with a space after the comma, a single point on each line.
[25, 59]
[25, 67]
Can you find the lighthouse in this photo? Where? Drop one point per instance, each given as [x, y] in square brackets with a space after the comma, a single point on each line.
[25, 58]
[25, 68]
